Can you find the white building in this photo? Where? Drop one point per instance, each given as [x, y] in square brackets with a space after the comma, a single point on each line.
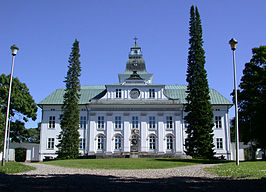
[132, 117]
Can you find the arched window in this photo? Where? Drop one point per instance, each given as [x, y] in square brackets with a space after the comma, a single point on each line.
[118, 142]
[152, 142]
[169, 142]
[100, 142]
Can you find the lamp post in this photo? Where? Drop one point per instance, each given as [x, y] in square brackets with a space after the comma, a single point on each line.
[233, 43]
[8, 141]
[14, 50]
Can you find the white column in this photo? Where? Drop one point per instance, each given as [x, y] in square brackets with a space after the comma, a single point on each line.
[143, 133]
[109, 131]
[126, 127]
[92, 134]
[160, 135]
[178, 135]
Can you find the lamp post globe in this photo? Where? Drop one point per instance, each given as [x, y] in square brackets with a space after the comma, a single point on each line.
[233, 43]
[14, 49]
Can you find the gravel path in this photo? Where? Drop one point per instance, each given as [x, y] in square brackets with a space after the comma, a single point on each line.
[48, 178]
[188, 171]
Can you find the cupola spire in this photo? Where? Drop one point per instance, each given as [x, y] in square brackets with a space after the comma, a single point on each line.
[135, 39]
[135, 65]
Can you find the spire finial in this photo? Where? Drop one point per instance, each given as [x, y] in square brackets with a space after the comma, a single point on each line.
[135, 38]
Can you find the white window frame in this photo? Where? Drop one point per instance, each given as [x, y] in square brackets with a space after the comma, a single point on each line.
[218, 122]
[118, 122]
[169, 122]
[151, 93]
[82, 143]
[169, 142]
[51, 124]
[100, 142]
[135, 122]
[118, 93]
[100, 123]
[118, 142]
[50, 143]
[219, 143]
[152, 122]
[152, 142]
[82, 122]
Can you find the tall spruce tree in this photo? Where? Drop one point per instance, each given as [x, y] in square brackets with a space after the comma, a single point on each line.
[69, 135]
[199, 142]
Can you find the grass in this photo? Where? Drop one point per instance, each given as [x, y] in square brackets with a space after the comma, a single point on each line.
[249, 169]
[15, 167]
[122, 163]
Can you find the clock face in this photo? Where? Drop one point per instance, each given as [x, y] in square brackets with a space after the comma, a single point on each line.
[134, 93]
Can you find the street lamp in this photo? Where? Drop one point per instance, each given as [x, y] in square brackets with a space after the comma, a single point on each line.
[233, 43]
[14, 50]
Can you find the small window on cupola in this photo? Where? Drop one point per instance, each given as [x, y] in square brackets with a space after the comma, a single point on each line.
[151, 93]
[118, 93]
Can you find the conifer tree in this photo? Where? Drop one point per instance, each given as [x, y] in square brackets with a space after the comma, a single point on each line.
[199, 142]
[69, 135]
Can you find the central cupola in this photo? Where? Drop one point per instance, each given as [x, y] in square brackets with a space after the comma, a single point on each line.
[135, 64]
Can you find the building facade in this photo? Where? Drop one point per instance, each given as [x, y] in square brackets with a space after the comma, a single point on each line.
[133, 117]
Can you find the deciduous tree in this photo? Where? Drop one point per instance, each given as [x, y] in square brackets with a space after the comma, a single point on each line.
[22, 106]
[252, 99]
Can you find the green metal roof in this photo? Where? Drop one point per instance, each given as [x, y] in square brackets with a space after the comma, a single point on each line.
[87, 93]
[97, 91]
[179, 92]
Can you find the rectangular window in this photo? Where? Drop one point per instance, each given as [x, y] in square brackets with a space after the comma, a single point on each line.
[219, 143]
[118, 93]
[151, 93]
[100, 142]
[152, 142]
[50, 143]
[118, 142]
[118, 122]
[52, 122]
[100, 122]
[169, 142]
[218, 122]
[83, 122]
[135, 122]
[169, 122]
[152, 122]
[82, 143]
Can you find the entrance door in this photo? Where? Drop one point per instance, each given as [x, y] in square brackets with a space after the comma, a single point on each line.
[134, 143]
[20, 154]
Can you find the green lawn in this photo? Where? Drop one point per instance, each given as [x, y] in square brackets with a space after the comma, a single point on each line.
[249, 169]
[127, 163]
[15, 167]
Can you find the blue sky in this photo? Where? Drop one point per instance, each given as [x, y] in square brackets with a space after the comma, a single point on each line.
[45, 30]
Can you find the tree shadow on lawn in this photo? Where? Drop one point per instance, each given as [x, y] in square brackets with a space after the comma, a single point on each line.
[96, 183]
[199, 161]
